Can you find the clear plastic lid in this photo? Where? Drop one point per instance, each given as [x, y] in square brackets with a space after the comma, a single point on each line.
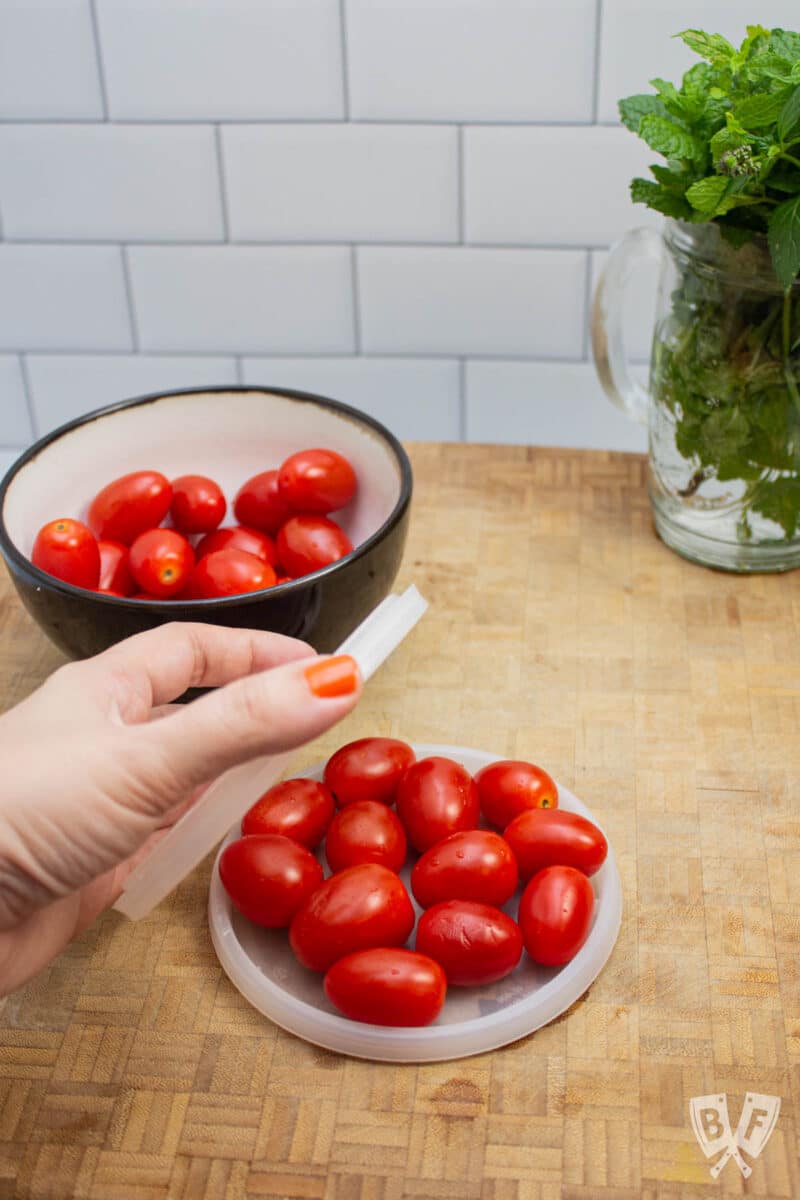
[229, 797]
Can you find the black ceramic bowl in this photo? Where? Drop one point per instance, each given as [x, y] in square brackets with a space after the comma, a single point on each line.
[230, 434]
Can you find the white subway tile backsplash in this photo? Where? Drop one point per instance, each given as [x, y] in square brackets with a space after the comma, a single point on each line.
[639, 305]
[252, 299]
[342, 182]
[562, 184]
[8, 455]
[63, 298]
[222, 59]
[637, 39]
[65, 386]
[472, 301]
[473, 60]
[99, 182]
[417, 399]
[48, 64]
[545, 404]
[15, 422]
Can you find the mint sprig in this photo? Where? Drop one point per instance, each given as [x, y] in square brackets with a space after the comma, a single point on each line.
[731, 137]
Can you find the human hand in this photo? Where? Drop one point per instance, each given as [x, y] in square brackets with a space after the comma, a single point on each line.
[96, 768]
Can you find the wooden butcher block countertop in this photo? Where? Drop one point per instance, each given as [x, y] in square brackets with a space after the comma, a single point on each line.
[667, 697]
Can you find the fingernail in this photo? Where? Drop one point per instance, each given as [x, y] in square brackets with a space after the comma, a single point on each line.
[333, 676]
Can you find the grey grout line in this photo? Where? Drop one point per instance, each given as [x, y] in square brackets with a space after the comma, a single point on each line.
[28, 386]
[98, 49]
[239, 369]
[345, 62]
[452, 356]
[126, 275]
[462, 199]
[462, 400]
[587, 304]
[531, 123]
[356, 293]
[307, 243]
[598, 31]
[223, 185]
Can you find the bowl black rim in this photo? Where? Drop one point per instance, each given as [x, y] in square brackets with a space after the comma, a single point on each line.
[11, 552]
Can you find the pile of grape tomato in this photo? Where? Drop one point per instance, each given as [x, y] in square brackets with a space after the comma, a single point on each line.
[376, 805]
[284, 531]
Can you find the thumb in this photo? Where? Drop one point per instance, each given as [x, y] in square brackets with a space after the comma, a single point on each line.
[260, 714]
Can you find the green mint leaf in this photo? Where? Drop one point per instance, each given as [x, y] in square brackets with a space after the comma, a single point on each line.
[785, 43]
[707, 195]
[667, 138]
[726, 139]
[674, 181]
[789, 118]
[711, 46]
[633, 108]
[780, 502]
[645, 191]
[756, 112]
[783, 232]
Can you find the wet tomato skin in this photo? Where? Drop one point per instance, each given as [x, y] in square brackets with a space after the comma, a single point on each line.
[472, 865]
[316, 481]
[366, 831]
[474, 943]
[307, 543]
[542, 837]
[359, 908]
[229, 573]
[161, 562]
[67, 550]
[115, 575]
[511, 786]
[129, 506]
[268, 877]
[368, 769]
[301, 809]
[555, 914]
[239, 537]
[259, 504]
[436, 797]
[198, 504]
[387, 986]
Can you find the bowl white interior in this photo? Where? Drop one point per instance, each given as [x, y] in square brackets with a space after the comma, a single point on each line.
[229, 436]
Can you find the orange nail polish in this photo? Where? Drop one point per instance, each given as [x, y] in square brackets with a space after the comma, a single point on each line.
[333, 676]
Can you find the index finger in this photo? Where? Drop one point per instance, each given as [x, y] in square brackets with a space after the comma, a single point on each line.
[163, 663]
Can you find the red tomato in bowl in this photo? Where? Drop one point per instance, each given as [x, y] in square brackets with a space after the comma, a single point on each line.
[317, 481]
[239, 538]
[475, 943]
[543, 837]
[269, 877]
[67, 550]
[510, 787]
[297, 808]
[555, 914]
[198, 504]
[436, 797]
[129, 506]
[259, 503]
[368, 769]
[229, 573]
[161, 562]
[115, 575]
[361, 907]
[308, 543]
[366, 831]
[474, 865]
[387, 986]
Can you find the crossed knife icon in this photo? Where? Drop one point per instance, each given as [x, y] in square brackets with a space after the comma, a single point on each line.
[712, 1128]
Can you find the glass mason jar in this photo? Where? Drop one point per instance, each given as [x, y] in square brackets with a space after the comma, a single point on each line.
[723, 405]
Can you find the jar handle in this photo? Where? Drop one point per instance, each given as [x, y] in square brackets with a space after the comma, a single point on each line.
[608, 347]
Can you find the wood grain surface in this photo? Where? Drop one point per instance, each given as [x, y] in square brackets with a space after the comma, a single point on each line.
[668, 697]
